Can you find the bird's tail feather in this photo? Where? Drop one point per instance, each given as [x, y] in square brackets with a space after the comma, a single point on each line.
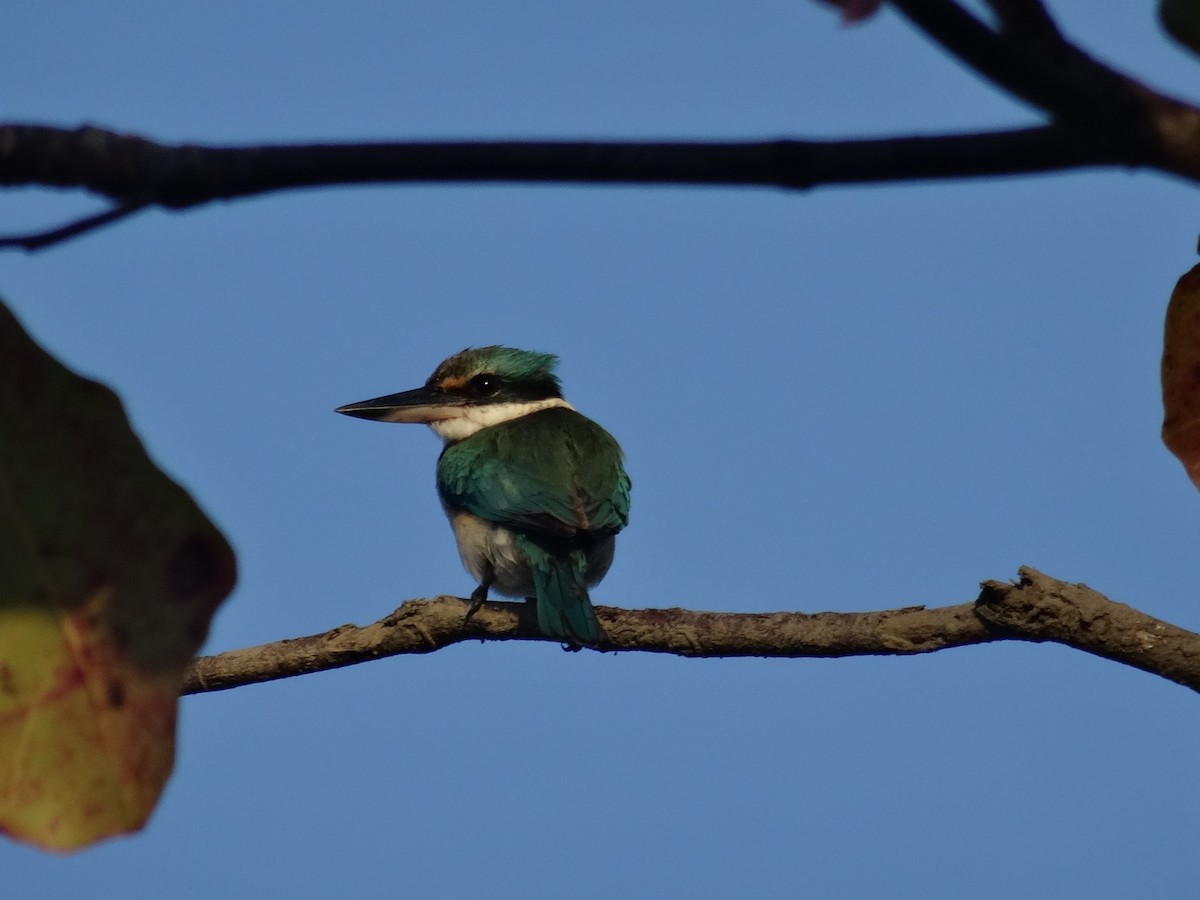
[564, 610]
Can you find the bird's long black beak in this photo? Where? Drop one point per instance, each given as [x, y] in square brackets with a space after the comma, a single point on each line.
[422, 405]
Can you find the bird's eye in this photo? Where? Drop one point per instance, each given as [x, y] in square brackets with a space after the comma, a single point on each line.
[484, 385]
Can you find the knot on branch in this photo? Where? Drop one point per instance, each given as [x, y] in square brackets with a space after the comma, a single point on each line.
[1040, 608]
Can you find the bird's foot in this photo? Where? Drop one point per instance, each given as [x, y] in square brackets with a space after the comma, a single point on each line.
[478, 596]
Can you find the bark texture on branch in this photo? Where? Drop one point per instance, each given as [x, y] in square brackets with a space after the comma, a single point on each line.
[1035, 608]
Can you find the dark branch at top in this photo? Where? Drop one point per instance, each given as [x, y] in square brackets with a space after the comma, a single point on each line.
[135, 172]
[130, 169]
[1098, 118]
[1025, 19]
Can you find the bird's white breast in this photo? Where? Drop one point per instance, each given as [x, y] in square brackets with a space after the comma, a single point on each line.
[490, 548]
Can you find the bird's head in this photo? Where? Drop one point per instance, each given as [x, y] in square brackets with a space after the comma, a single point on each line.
[477, 387]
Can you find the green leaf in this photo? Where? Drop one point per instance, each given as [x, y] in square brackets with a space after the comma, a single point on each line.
[109, 576]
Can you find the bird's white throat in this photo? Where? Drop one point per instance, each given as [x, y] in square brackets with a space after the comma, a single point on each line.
[470, 419]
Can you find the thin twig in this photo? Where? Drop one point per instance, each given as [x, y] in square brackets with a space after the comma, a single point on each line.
[39, 240]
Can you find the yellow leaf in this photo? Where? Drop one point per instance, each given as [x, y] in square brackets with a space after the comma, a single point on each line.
[109, 576]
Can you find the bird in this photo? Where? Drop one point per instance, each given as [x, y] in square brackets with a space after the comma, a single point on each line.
[535, 492]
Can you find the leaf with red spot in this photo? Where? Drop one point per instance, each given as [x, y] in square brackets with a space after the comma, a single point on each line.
[1181, 374]
[109, 576]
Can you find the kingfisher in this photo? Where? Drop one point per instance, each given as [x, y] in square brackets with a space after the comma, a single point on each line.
[535, 491]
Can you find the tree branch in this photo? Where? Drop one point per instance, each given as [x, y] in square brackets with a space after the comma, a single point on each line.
[135, 172]
[1029, 57]
[124, 167]
[1036, 608]
[1026, 19]
[1100, 118]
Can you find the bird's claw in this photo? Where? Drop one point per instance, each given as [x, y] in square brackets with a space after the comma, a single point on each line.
[478, 596]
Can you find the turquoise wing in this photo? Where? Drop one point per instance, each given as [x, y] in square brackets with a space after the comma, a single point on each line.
[553, 472]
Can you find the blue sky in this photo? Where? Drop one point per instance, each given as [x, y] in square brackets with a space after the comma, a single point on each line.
[848, 399]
